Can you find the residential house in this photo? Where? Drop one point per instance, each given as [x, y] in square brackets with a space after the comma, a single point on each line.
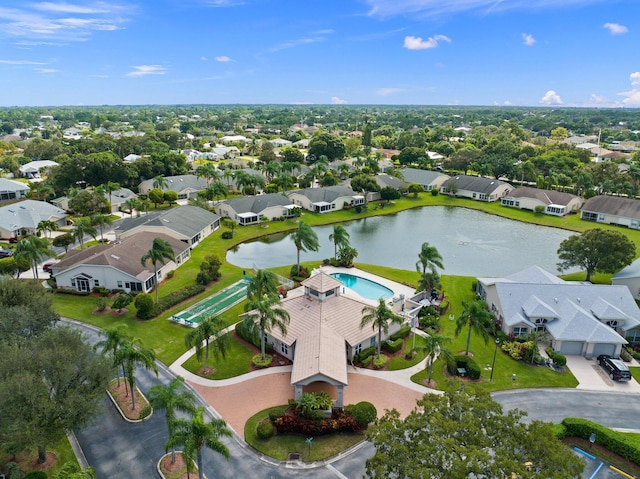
[581, 318]
[428, 179]
[247, 210]
[189, 224]
[280, 142]
[12, 190]
[476, 188]
[187, 186]
[629, 277]
[117, 265]
[612, 210]
[119, 198]
[32, 170]
[555, 203]
[131, 158]
[386, 181]
[22, 218]
[327, 198]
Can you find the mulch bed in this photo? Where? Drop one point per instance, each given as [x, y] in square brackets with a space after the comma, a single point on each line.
[167, 468]
[278, 359]
[123, 397]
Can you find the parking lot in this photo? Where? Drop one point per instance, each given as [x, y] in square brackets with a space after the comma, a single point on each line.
[597, 468]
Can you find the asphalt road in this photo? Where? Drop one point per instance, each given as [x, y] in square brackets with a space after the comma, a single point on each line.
[116, 448]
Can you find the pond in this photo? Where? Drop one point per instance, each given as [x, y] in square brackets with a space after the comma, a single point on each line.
[471, 243]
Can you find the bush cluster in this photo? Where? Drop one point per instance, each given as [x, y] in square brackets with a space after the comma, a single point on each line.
[209, 270]
[339, 421]
[226, 235]
[265, 429]
[557, 358]
[614, 441]
[260, 362]
[393, 346]
[364, 354]
[363, 412]
[473, 370]
[303, 274]
[243, 330]
[101, 291]
[147, 310]
[379, 362]
[401, 333]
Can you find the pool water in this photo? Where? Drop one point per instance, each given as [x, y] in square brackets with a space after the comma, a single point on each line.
[364, 287]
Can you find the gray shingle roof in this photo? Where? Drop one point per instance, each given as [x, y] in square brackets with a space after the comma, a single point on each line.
[180, 183]
[186, 220]
[327, 193]
[422, 177]
[548, 197]
[257, 204]
[613, 205]
[10, 185]
[478, 184]
[28, 213]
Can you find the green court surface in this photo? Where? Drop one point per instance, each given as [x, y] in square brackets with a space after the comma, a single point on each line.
[213, 305]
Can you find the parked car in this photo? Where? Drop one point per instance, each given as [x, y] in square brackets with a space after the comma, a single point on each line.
[615, 368]
[47, 266]
[5, 253]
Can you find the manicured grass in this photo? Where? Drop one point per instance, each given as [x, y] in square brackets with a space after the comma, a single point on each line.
[635, 372]
[400, 362]
[236, 362]
[279, 447]
[62, 451]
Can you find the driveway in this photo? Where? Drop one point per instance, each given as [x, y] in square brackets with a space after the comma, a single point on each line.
[593, 378]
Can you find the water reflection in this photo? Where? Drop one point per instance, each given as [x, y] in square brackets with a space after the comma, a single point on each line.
[471, 243]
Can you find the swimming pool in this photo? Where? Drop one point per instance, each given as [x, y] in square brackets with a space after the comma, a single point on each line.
[364, 287]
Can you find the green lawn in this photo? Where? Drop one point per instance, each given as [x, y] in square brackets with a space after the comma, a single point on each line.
[279, 447]
[236, 362]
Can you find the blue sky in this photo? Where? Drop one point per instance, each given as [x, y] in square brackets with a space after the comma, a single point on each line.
[426, 52]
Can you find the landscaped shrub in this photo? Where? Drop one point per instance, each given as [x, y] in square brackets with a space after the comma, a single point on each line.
[393, 346]
[260, 362]
[614, 441]
[538, 209]
[466, 362]
[12, 470]
[293, 272]
[226, 235]
[145, 306]
[265, 429]
[444, 307]
[209, 270]
[122, 300]
[401, 333]
[101, 291]
[367, 361]
[363, 412]
[145, 412]
[364, 354]
[338, 422]
[379, 362]
[101, 304]
[625, 355]
[251, 336]
[435, 191]
[36, 475]
[557, 358]
[312, 403]
[178, 296]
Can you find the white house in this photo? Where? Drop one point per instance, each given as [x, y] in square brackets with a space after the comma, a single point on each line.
[32, 169]
[246, 210]
[428, 179]
[12, 190]
[22, 218]
[325, 199]
[117, 265]
[476, 188]
[581, 318]
[555, 203]
[187, 186]
[612, 210]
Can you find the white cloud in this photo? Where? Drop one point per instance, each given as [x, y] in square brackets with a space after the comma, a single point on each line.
[20, 62]
[70, 8]
[388, 91]
[337, 101]
[204, 59]
[46, 70]
[223, 3]
[295, 43]
[551, 98]
[223, 59]
[615, 28]
[528, 39]
[635, 78]
[143, 70]
[417, 43]
[632, 97]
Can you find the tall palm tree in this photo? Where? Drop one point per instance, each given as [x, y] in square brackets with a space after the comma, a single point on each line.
[305, 239]
[228, 175]
[428, 258]
[114, 338]
[380, 318]
[208, 332]
[33, 250]
[208, 171]
[131, 204]
[101, 221]
[340, 238]
[82, 227]
[477, 318]
[144, 204]
[45, 227]
[172, 398]
[71, 470]
[196, 433]
[159, 252]
[263, 306]
[429, 281]
[160, 182]
[110, 187]
[433, 346]
[132, 353]
[285, 182]
[216, 190]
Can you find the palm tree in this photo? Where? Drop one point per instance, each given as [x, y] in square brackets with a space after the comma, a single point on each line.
[242, 180]
[83, 227]
[114, 338]
[71, 470]
[216, 190]
[208, 328]
[428, 258]
[32, 250]
[46, 226]
[429, 281]
[340, 238]
[131, 353]
[196, 433]
[111, 187]
[171, 398]
[305, 239]
[208, 171]
[263, 305]
[285, 182]
[131, 204]
[144, 204]
[160, 182]
[379, 317]
[433, 346]
[101, 221]
[476, 317]
[160, 250]
[228, 175]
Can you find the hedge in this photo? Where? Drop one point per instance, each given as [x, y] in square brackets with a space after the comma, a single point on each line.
[393, 346]
[401, 333]
[178, 296]
[622, 444]
[363, 412]
[244, 333]
[557, 358]
[473, 370]
[364, 354]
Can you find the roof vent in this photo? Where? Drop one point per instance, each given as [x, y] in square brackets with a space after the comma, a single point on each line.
[115, 257]
[555, 299]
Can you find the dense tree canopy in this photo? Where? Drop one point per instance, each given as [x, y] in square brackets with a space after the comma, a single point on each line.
[326, 144]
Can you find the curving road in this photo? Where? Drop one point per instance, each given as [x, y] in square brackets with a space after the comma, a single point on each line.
[116, 448]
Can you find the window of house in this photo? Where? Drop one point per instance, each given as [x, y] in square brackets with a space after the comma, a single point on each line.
[96, 282]
[284, 348]
[357, 349]
[373, 341]
[73, 282]
[519, 330]
[119, 284]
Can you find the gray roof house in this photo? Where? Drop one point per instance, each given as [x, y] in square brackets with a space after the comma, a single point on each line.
[246, 210]
[476, 188]
[12, 190]
[581, 318]
[187, 186]
[32, 169]
[629, 277]
[117, 265]
[22, 218]
[325, 199]
[612, 210]
[555, 203]
[187, 223]
[426, 178]
[119, 197]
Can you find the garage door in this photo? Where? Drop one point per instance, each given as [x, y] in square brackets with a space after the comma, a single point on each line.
[571, 347]
[603, 348]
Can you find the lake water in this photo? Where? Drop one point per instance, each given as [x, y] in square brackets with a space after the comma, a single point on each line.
[471, 243]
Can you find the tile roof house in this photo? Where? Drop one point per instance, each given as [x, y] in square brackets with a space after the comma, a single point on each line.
[189, 224]
[555, 203]
[581, 318]
[22, 218]
[428, 179]
[187, 186]
[246, 210]
[612, 210]
[476, 188]
[12, 190]
[117, 265]
[325, 199]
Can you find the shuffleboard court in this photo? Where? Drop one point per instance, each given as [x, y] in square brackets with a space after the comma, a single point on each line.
[215, 304]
